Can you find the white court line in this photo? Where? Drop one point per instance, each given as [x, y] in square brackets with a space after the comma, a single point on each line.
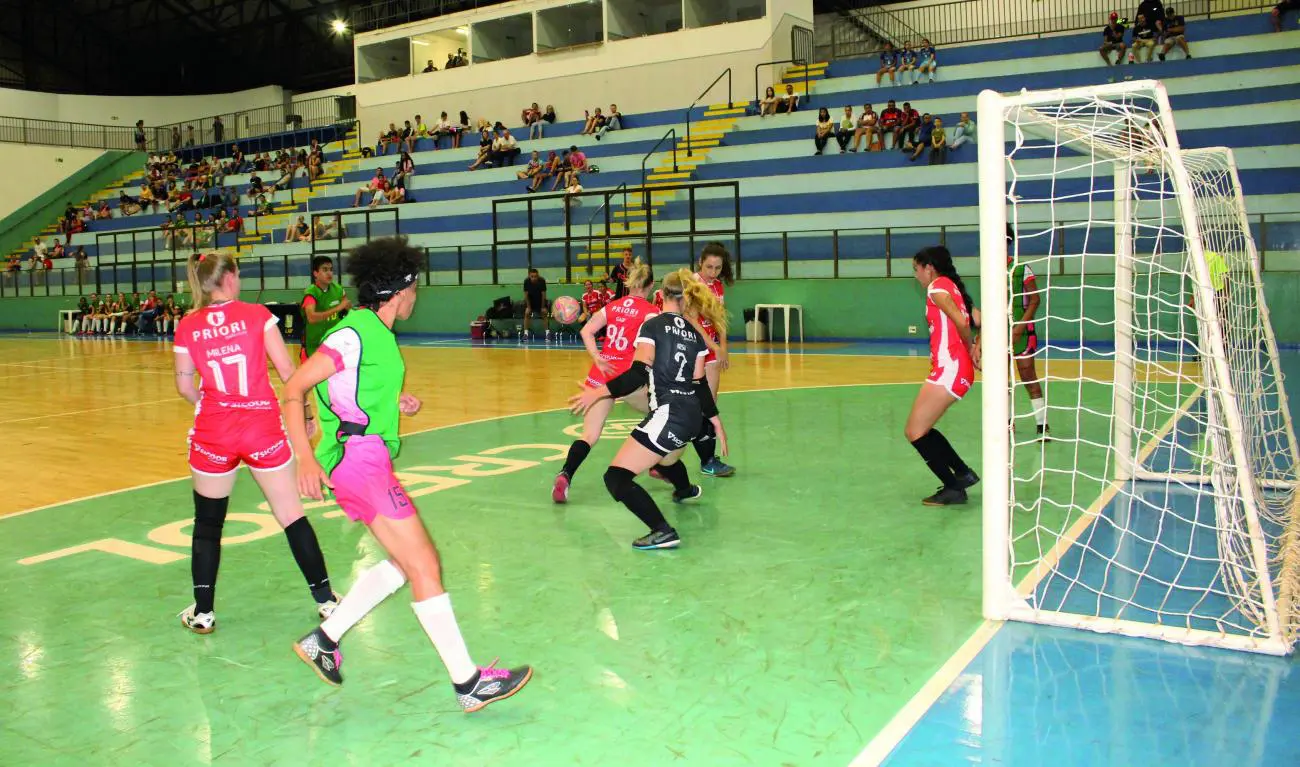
[426, 431]
[885, 741]
[89, 410]
[95, 369]
[73, 357]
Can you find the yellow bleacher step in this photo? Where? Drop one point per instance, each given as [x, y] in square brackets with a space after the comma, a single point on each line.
[738, 111]
[667, 175]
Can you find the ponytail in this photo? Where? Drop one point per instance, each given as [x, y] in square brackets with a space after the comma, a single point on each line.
[206, 271]
[939, 257]
[639, 277]
[696, 299]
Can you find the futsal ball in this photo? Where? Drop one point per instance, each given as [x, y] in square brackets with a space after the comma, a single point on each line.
[566, 310]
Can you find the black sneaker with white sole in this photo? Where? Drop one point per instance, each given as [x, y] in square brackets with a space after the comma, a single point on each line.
[490, 685]
[967, 480]
[946, 496]
[659, 539]
[1045, 433]
[690, 495]
[323, 655]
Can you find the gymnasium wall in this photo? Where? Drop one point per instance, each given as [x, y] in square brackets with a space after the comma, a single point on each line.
[844, 308]
[32, 170]
[123, 111]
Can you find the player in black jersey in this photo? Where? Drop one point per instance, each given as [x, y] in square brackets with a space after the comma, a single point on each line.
[670, 354]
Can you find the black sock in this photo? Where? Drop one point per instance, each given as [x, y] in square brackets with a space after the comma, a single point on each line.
[933, 456]
[205, 549]
[578, 452]
[623, 487]
[676, 474]
[307, 553]
[467, 686]
[706, 443]
[950, 456]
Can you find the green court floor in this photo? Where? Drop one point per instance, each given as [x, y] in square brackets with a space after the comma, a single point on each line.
[811, 598]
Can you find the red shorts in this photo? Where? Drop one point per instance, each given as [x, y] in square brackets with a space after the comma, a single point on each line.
[597, 379]
[955, 377]
[710, 358]
[220, 441]
[364, 484]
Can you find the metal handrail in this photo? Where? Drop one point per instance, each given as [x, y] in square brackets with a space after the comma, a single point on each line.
[695, 103]
[758, 95]
[604, 206]
[671, 132]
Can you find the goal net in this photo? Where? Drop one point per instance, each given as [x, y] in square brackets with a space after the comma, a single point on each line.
[1164, 503]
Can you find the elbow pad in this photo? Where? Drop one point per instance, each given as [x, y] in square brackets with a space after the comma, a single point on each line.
[628, 382]
[708, 407]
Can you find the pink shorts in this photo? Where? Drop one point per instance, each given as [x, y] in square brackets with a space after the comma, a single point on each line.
[364, 484]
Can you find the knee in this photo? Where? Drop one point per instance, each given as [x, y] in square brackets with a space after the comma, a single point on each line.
[617, 481]
[913, 433]
[209, 517]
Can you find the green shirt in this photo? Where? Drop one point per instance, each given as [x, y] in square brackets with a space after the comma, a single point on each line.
[324, 301]
[368, 377]
[1218, 270]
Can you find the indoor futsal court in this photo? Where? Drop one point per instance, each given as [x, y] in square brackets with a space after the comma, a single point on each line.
[816, 613]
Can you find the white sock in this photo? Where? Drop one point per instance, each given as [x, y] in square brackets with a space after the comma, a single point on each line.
[439, 623]
[1039, 407]
[374, 586]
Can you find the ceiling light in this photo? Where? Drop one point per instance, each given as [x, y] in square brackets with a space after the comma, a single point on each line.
[418, 42]
[462, 30]
[339, 26]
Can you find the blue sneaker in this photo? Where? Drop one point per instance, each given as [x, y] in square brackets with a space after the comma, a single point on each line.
[663, 539]
[716, 468]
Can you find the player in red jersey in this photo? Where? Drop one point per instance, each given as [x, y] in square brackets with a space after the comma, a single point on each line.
[714, 272]
[621, 320]
[237, 420]
[953, 358]
[593, 300]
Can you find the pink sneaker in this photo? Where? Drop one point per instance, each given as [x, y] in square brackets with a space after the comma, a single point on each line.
[560, 493]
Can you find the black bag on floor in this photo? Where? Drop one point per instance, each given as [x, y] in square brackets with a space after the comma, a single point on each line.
[501, 309]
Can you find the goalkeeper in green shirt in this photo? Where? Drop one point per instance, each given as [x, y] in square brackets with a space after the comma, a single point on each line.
[1025, 301]
[323, 304]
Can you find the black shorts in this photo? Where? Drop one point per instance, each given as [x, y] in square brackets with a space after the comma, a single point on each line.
[535, 309]
[670, 426]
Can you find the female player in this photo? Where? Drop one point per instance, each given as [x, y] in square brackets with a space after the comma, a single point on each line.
[715, 273]
[227, 342]
[1024, 338]
[953, 359]
[593, 300]
[358, 374]
[621, 320]
[670, 354]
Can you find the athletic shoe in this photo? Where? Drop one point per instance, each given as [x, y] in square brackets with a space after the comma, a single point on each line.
[493, 684]
[199, 623]
[1045, 433]
[656, 474]
[691, 495]
[326, 609]
[560, 491]
[967, 480]
[946, 496]
[716, 468]
[661, 539]
[328, 664]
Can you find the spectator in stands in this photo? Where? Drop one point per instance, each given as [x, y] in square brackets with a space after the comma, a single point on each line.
[81, 260]
[866, 128]
[421, 131]
[176, 138]
[451, 62]
[938, 144]
[504, 149]
[845, 130]
[230, 198]
[549, 169]
[405, 168]
[235, 222]
[888, 64]
[1144, 38]
[39, 249]
[126, 204]
[444, 127]
[571, 192]
[1278, 15]
[428, 67]
[907, 63]
[328, 226]
[262, 207]
[788, 102]
[1112, 39]
[593, 122]
[393, 195]
[891, 118]
[963, 132]
[577, 163]
[189, 135]
[905, 133]
[57, 251]
[406, 137]
[549, 114]
[532, 119]
[148, 312]
[923, 137]
[218, 131]
[463, 127]
[613, 121]
[928, 59]
[484, 149]
[767, 106]
[139, 135]
[387, 138]
[562, 171]
[314, 168]
[298, 231]
[1175, 33]
[375, 188]
[532, 169]
[824, 130]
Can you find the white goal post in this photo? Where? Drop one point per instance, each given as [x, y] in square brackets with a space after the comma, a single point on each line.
[1164, 504]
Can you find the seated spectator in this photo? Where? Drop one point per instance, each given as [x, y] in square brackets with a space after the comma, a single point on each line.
[891, 117]
[928, 58]
[405, 169]
[314, 168]
[421, 131]
[907, 63]
[235, 223]
[40, 250]
[888, 64]
[147, 198]
[905, 133]
[394, 195]
[549, 114]
[571, 192]
[824, 130]
[562, 171]
[406, 137]
[484, 148]
[924, 136]
[328, 226]
[1278, 15]
[57, 251]
[231, 198]
[938, 144]
[1175, 33]
[388, 139]
[866, 129]
[1144, 38]
[298, 231]
[505, 149]
[1112, 39]
[963, 132]
[788, 102]
[375, 188]
[127, 204]
[445, 128]
[613, 121]
[532, 169]
[594, 123]
[532, 120]
[767, 106]
[262, 207]
[577, 164]
[549, 169]
[255, 186]
[429, 67]
[844, 131]
[463, 127]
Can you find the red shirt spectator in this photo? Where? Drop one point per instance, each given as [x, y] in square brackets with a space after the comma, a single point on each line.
[891, 116]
